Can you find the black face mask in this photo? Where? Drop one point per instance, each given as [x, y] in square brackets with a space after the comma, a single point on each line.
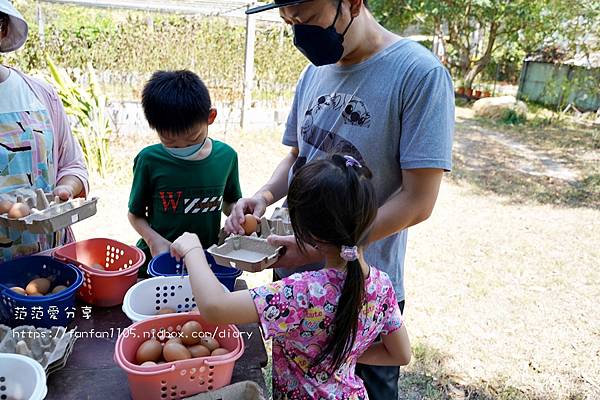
[322, 46]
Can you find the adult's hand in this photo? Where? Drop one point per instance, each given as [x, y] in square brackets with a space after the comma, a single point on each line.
[64, 192]
[68, 187]
[292, 256]
[256, 206]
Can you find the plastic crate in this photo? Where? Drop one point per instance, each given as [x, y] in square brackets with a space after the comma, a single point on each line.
[178, 379]
[21, 378]
[146, 298]
[119, 264]
[42, 311]
[165, 265]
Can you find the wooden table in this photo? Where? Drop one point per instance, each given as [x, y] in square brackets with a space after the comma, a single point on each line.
[91, 372]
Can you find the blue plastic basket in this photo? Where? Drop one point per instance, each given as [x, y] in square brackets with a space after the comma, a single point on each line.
[42, 311]
[165, 265]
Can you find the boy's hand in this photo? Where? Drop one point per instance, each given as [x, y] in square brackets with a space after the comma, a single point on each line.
[186, 243]
[158, 246]
[256, 206]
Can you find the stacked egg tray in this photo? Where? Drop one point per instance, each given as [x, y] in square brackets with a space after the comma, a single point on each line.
[253, 253]
[49, 347]
[48, 213]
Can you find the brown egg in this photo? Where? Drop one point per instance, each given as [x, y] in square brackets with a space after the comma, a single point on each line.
[164, 311]
[174, 340]
[58, 289]
[19, 290]
[19, 210]
[148, 364]
[191, 331]
[250, 224]
[5, 206]
[210, 343]
[150, 350]
[219, 352]
[199, 351]
[176, 352]
[35, 294]
[39, 285]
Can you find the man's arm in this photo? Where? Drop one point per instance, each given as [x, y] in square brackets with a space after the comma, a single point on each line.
[274, 190]
[410, 205]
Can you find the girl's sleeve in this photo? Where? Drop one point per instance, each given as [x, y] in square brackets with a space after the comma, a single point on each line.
[393, 317]
[281, 305]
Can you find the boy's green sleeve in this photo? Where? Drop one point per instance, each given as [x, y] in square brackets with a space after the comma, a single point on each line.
[139, 198]
[233, 192]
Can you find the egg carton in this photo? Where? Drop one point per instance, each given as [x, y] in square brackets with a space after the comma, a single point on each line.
[246, 390]
[50, 347]
[280, 223]
[48, 213]
[248, 253]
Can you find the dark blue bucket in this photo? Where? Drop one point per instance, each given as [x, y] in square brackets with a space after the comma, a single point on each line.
[165, 265]
[42, 311]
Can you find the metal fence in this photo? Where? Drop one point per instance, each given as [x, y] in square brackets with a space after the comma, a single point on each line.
[252, 109]
[558, 85]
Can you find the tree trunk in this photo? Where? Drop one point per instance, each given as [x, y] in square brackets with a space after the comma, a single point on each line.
[479, 65]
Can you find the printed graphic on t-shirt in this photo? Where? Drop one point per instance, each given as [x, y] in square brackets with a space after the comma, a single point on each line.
[333, 107]
[178, 202]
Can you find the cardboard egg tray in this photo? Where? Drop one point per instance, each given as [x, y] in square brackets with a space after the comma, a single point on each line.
[49, 214]
[253, 253]
[248, 253]
[50, 347]
[246, 390]
[280, 223]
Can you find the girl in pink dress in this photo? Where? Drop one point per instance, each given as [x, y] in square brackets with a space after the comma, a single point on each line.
[322, 322]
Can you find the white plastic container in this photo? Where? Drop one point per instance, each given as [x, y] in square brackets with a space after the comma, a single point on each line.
[21, 378]
[146, 298]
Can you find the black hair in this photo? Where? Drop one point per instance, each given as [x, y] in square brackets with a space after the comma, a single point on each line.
[330, 202]
[175, 102]
[365, 2]
[4, 19]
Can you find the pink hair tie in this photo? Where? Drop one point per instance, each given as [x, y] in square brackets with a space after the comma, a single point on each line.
[352, 162]
[349, 253]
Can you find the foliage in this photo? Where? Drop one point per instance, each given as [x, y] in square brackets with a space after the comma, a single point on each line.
[88, 107]
[495, 35]
[127, 46]
[511, 117]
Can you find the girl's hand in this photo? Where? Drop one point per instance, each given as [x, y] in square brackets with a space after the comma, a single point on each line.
[184, 244]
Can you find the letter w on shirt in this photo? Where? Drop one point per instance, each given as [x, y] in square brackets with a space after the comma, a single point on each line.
[169, 200]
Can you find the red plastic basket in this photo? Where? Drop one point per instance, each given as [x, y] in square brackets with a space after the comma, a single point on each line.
[120, 263]
[178, 379]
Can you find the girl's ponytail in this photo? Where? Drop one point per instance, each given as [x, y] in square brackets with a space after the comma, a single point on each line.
[345, 325]
[333, 202]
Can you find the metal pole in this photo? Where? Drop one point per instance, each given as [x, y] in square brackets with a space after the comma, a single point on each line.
[40, 22]
[248, 67]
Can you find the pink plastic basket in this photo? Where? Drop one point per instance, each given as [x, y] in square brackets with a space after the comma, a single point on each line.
[120, 263]
[178, 379]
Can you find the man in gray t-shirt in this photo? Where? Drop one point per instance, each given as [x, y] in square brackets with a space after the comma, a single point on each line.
[383, 99]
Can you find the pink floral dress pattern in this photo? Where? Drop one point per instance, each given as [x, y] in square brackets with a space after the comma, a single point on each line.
[297, 312]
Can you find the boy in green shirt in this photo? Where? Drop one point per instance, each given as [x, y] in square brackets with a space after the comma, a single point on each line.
[182, 184]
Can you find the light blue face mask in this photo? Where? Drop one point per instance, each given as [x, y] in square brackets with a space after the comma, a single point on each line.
[185, 152]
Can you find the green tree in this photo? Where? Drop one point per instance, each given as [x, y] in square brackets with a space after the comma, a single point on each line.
[475, 31]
